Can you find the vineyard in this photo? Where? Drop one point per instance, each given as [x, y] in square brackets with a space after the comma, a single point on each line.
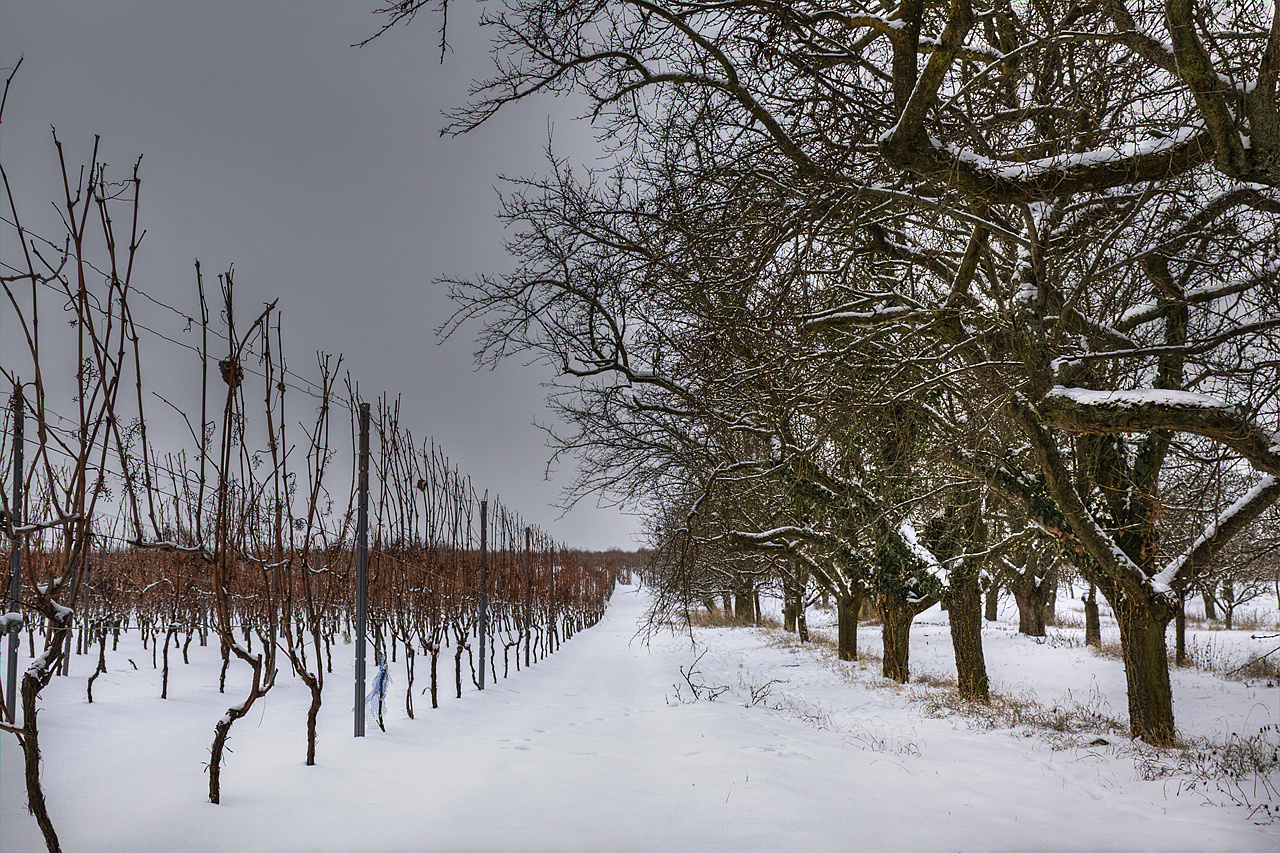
[272, 536]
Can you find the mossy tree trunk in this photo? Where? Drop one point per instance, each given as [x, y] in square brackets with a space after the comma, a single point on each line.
[991, 605]
[848, 606]
[1143, 645]
[1030, 609]
[1210, 606]
[744, 604]
[964, 606]
[1049, 597]
[1034, 587]
[1180, 631]
[895, 630]
[1092, 621]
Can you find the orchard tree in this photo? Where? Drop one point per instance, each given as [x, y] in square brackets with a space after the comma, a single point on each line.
[1088, 189]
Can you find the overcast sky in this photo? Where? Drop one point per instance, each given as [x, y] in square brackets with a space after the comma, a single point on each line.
[317, 169]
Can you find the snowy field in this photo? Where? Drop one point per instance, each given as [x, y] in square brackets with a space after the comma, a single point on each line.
[603, 746]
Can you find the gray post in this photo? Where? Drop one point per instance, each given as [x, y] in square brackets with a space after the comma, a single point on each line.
[15, 561]
[553, 633]
[528, 596]
[484, 583]
[362, 564]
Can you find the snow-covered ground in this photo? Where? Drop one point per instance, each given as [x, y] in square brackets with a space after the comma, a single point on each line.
[603, 746]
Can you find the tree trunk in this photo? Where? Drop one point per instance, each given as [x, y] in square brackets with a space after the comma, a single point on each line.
[222, 729]
[226, 662]
[1146, 670]
[435, 688]
[1092, 622]
[1180, 631]
[457, 667]
[29, 738]
[847, 609]
[313, 712]
[992, 611]
[164, 679]
[744, 607]
[102, 664]
[408, 667]
[1210, 608]
[1049, 598]
[895, 632]
[1030, 607]
[964, 607]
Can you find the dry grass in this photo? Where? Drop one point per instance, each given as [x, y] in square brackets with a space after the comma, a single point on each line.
[935, 680]
[1208, 656]
[1023, 711]
[1069, 619]
[824, 649]
[1254, 620]
[717, 619]
[1244, 619]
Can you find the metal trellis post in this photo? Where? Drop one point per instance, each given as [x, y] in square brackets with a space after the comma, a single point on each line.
[484, 583]
[15, 561]
[362, 565]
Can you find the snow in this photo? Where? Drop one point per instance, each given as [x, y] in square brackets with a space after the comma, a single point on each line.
[598, 747]
[1140, 397]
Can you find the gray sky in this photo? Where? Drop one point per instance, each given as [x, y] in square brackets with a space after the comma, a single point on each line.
[317, 169]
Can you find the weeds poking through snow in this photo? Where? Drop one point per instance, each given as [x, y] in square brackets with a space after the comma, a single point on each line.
[758, 694]
[698, 688]
[1243, 770]
[1207, 654]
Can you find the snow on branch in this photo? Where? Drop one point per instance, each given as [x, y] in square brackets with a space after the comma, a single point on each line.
[1240, 513]
[1138, 397]
[907, 531]
[875, 317]
[14, 531]
[173, 547]
[1084, 410]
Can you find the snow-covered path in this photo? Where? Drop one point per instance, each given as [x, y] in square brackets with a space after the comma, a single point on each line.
[589, 749]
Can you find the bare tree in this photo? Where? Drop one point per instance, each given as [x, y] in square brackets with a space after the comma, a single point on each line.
[1089, 192]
